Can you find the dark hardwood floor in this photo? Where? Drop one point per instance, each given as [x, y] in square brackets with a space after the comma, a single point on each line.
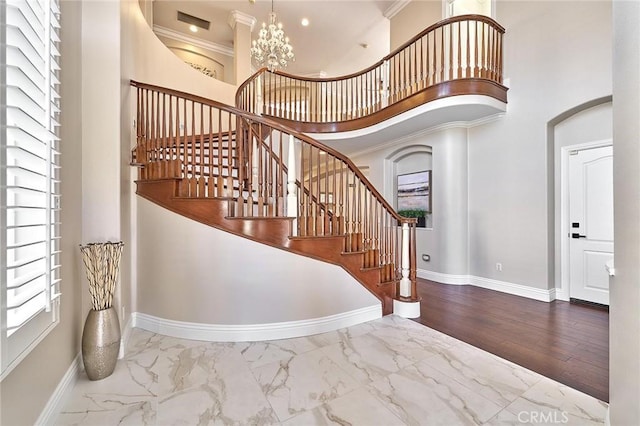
[564, 341]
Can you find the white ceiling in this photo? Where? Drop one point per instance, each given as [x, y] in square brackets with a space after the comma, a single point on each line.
[332, 43]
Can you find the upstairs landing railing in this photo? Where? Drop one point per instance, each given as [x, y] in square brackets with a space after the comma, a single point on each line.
[459, 55]
[268, 170]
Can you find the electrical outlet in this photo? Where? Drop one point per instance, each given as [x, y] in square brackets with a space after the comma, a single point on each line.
[499, 267]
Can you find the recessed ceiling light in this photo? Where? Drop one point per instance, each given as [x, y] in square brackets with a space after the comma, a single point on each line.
[193, 28]
[305, 22]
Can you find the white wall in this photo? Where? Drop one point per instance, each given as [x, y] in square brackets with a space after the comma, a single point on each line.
[624, 317]
[548, 74]
[224, 62]
[191, 272]
[153, 63]
[144, 58]
[413, 18]
[447, 241]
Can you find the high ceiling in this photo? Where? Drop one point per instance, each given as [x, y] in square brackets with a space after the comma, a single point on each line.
[342, 36]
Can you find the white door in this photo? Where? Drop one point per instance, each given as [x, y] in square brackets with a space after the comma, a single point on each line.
[590, 223]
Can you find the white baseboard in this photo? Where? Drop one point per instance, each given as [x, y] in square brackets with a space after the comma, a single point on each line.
[59, 396]
[439, 277]
[502, 286]
[406, 309]
[254, 332]
[515, 289]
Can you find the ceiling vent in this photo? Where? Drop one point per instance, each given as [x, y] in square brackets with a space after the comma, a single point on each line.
[192, 20]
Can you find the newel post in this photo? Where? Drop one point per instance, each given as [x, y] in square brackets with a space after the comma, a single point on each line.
[292, 188]
[405, 281]
[407, 303]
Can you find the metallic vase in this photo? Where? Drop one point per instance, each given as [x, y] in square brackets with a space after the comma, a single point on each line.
[100, 343]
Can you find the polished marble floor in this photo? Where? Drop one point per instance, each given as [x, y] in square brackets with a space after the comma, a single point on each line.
[390, 371]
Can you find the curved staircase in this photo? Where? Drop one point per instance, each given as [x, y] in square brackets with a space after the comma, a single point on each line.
[251, 172]
[255, 178]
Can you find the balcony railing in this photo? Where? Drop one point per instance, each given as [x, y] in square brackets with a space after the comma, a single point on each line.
[457, 56]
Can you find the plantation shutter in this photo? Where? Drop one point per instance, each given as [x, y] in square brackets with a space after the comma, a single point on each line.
[30, 157]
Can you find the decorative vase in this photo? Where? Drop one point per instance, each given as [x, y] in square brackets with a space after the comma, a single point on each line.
[100, 343]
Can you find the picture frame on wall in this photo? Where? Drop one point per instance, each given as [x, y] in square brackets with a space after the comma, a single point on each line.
[413, 192]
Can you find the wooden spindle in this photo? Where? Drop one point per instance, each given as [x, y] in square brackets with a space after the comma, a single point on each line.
[210, 179]
[468, 69]
[481, 47]
[229, 138]
[270, 190]
[476, 72]
[292, 196]
[451, 54]
[221, 191]
[459, 64]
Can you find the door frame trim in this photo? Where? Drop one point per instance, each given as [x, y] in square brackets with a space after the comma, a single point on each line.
[563, 292]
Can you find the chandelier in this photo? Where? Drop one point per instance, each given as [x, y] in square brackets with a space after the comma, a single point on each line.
[272, 48]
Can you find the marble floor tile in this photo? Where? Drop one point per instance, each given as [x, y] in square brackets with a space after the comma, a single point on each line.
[497, 380]
[303, 382]
[233, 400]
[391, 371]
[355, 408]
[412, 342]
[262, 353]
[421, 395]
[117, 391]
[551, 402]
[331, 337]
[133, 413]
[367, 358]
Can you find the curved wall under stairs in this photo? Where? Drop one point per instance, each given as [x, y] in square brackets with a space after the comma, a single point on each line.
[220, 286]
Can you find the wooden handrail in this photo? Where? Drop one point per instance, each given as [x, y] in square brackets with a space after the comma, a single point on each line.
[421, 70]
[276, 125]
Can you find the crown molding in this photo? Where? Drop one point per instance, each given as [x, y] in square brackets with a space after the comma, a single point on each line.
[236, 17]
[197, 42]
[395, 8]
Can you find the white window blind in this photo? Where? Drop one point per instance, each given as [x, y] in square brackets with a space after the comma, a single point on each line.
[30, 186]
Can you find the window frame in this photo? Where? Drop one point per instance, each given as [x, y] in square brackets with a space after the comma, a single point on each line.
[41, 30]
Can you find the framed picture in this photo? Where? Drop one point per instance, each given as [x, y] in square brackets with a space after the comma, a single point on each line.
[414, 195]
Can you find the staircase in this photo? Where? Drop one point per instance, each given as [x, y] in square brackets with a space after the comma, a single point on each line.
[252, 172]
[258, 179]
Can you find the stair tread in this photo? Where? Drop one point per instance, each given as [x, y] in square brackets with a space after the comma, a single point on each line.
[353, 252]
[164, 179]
[259, 218]
[372, 268]
[309, 237]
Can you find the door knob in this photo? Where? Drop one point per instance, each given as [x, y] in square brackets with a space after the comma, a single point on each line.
[574, 235]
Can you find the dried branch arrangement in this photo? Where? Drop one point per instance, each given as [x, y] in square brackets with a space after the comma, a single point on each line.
[102, 263]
